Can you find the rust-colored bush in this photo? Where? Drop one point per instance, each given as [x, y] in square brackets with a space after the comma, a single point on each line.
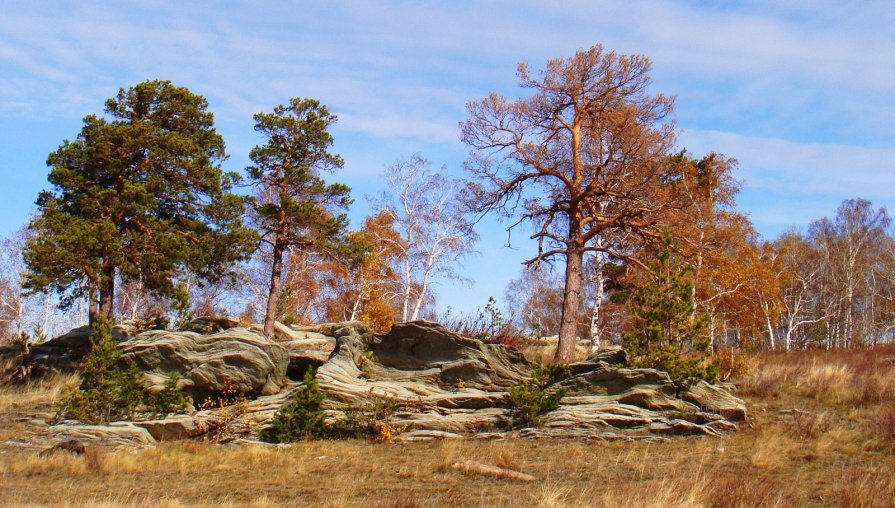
[732, 363]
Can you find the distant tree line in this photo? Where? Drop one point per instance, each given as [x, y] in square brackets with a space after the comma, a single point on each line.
[830, 286]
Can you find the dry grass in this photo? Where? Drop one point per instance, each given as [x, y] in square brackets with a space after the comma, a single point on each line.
[37, 393]
[810, 441]
[838, 378]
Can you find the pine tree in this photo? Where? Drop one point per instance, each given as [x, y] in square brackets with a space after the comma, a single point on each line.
[294, 206]
[669, 333]
[112, 390]
[108, 391]
[138, 195]
[301, 418]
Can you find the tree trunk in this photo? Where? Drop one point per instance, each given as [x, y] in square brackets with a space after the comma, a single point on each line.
[423, 289]
[596, 330]
[273, 297]
[568, 329]
[107, 294]
[405, 305]
[92, 308]
[770, 326]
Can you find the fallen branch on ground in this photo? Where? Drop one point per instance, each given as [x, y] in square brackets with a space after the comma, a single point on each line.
[471, 466]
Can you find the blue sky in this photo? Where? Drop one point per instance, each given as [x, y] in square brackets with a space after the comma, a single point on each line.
[802, 93]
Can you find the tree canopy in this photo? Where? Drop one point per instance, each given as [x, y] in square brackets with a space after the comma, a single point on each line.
[583, 158]
[139, 194]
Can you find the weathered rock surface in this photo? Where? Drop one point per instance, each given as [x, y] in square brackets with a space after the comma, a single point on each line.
[236, 360]
[456, 385]
[113, 435]
[209, 325]
[422, 346]
[302, 360]
[448, 386]
[613, 355]
[66, 352]
[714, 399]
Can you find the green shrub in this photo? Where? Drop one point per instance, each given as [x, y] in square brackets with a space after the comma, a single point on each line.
[302, 418]
[170, 399]
[374, 418]
[110, 391]
[531, 399]
[668, 358]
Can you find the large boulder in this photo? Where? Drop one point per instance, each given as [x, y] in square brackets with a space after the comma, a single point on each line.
[714, 399]
[612, 355]
[113, 435]
[422, 345]
[234, 361]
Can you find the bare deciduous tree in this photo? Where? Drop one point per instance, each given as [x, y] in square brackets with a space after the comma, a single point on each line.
[534, 299]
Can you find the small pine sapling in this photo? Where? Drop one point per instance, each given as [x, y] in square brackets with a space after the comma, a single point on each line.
[669, 333]
[108, 390]
[170, 399]
[533, 398]
[302, 418]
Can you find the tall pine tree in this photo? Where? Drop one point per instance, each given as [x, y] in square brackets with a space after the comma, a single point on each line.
[294, 206]
[139, 194]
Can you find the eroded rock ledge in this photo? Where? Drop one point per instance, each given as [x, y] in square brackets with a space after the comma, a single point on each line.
[451, 386]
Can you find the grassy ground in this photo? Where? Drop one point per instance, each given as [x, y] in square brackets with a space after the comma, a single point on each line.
[821, 433]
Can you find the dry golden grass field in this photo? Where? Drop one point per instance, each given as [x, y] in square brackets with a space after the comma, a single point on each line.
[821, 432]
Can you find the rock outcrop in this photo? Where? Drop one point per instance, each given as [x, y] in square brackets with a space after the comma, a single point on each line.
[233, 361]
[458, 386]
[447, 386]
[209, 325]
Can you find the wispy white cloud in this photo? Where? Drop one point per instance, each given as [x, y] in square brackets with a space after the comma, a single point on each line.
[803, 169]
[754, 69]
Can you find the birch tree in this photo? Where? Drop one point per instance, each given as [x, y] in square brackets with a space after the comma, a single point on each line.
[800, 271]
[849, 245]
[436, 233]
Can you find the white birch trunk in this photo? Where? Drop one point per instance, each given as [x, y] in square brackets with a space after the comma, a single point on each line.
[596, 328]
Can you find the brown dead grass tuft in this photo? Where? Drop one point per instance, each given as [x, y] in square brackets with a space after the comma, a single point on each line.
[808, 425]
[837, 377]
[884, 423]
[867, 487]
[760, 491]
[773, 449]
[36, 393]
[95, 456]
